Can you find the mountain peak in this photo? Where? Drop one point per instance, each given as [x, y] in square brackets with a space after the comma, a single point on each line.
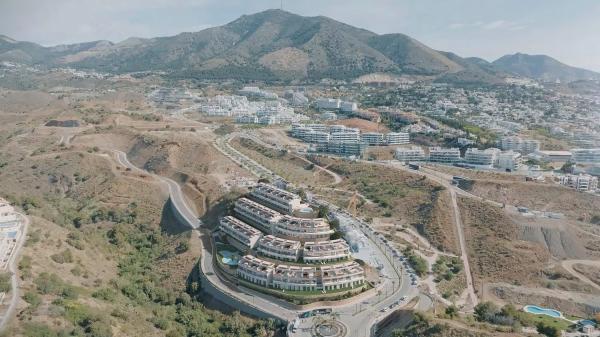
[542, 67]
[7, 39]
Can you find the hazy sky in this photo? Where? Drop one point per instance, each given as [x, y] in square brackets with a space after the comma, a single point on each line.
[568, 30]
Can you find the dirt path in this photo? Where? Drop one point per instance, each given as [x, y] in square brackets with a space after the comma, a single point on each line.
[568, 265]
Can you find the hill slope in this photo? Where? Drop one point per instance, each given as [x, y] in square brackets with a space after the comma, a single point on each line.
[543, 67]
[273, 44]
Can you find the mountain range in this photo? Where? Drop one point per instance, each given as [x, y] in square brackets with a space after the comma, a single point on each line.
[278, 45]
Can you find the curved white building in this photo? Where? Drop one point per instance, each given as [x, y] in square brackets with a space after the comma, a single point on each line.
[303, 229]
[325, 251]
[278, 248]
[339, 276]
[276, 198]
[295, 278]
[256, 214]
[255, 270]
[246, 235]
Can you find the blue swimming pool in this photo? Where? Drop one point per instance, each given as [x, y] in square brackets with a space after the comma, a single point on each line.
[533, 309]
[229, 258]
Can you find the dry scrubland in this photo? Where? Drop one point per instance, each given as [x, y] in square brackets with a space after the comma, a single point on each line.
[283, 163]
[495, 252]
[103, 256]
[400, 197]
[362, 124]
[541, 197]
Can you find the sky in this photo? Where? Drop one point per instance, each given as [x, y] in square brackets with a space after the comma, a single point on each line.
[568, 30]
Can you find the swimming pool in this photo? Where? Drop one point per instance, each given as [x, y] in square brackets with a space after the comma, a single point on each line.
[229, 258]
[533, 309]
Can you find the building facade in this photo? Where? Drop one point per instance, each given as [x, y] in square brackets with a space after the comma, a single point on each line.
[303, 229]
[325, 251]
[276, 198]
[278, 248]
[444, 155]
[246, 235]
[415, 153]
[256, 214]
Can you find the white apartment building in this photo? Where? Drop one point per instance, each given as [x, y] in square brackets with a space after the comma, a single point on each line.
[581, 182]
[340, 276]
[348, 106]
[328, 104]
[299, 278]
[318, 127]
[303, 229]
[325, 251]
[337, 128]
[525, 146]
[444, 155]
[328, 116]
[529, 146]
[316, 137]
[256, 214]
[484, 158]
[247, 119]
[415, 153]
[397, 138]
[373, 138]
[509, 160]
[278, 248]
[243, 233]
[345, 136]
[255, 270]
[585, 156]
[277, 199]
[351, 148]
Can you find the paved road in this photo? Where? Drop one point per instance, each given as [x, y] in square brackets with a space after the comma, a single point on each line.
[361, 316]
[568, 265]
[358, 316]
[14, 280]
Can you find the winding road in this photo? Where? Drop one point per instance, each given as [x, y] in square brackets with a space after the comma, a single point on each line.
[14, 279]
[358, 315]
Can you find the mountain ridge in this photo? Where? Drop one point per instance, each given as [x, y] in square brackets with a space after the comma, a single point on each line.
[271, 45]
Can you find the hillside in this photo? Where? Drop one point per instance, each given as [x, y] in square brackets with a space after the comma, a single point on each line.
[543, 67]
[270, 45]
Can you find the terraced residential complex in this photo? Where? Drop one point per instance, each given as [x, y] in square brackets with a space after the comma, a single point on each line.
[285, 252]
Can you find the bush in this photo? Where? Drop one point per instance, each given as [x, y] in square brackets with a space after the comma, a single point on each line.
[63, 257]
[548, 330]
[32, 298]
[5, 285]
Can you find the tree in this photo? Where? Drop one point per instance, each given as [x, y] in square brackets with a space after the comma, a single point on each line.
[548, 330]
[485, 311]
[452, 311]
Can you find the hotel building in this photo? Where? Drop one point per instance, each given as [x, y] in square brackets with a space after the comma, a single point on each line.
[256, 214]
[397, 138]
[303, 229]
[415, 153]
[581, 182]
[255, 270]
[278, 248]
[585, 156]
[245, 235]
[484, 158]
[444, 155]
[276, 198]
[325, 251]
[295, 278]
[339, 276]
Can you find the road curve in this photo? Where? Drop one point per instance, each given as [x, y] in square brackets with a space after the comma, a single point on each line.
[14, 280]
[568, 265]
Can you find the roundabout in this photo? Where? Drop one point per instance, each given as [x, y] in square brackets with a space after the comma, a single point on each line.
[329, 328]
